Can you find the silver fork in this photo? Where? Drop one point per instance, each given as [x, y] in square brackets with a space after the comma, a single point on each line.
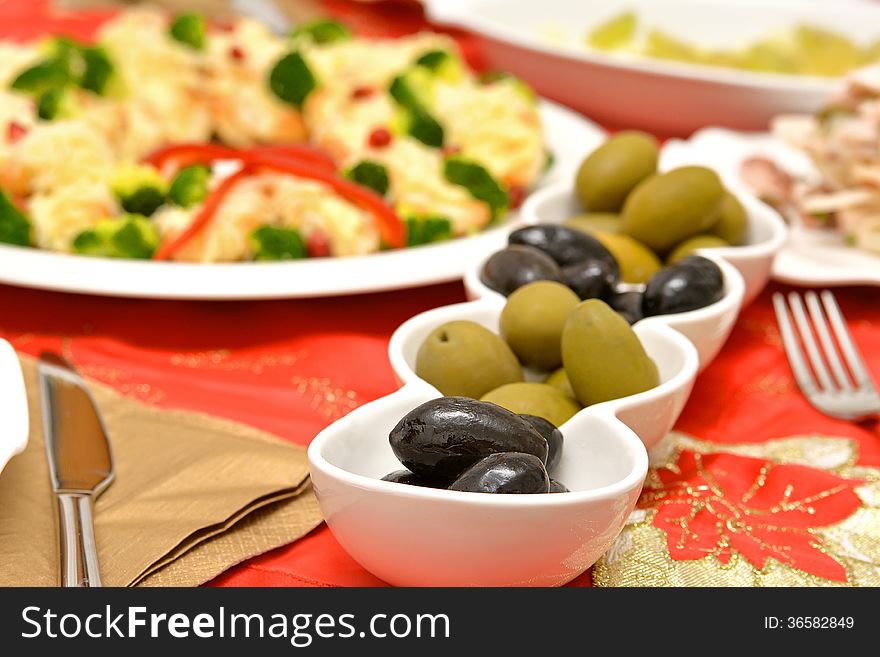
[846, 392]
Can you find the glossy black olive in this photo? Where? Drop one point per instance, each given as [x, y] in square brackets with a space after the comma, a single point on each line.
[628, 304]
[694, 282]
[507, 472]
[511, 268]
[558, 487]
[551, 434]
[443, 437]
[590, 279]
[565, 245]
[407, 477]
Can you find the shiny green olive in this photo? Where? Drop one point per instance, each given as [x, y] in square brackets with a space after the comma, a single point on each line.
[733, 221]
[594, 222]
[636, 261]
[691, 244]
[610, 173]
[667, 209]
[532, 320]
[603, 356]
[535, 399]
[466, 359]
[559, 380]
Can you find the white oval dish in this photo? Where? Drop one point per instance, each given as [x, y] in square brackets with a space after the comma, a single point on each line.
[13, 406]
[662, 96]
[411, 536]
[568, 136]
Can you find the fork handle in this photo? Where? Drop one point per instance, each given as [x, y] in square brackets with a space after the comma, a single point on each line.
[79, 553]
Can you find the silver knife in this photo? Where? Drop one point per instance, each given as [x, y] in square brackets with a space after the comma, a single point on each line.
[80, 465]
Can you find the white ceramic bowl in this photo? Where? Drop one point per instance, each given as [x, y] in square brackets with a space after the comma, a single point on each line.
[13, 406]
[411, 536]
[766, 235]
[707, 328]
[658, 95]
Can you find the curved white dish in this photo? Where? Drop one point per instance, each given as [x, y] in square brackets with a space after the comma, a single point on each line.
[569, 136]
[413, 536]
[810, 257]
[664, 96]
[13, 406]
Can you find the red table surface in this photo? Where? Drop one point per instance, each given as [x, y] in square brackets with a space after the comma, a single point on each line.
[292, 367]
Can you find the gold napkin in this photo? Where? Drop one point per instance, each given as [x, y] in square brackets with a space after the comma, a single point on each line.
[193, 496]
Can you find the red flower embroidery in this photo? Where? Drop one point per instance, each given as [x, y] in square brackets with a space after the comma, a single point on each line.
[720, 503]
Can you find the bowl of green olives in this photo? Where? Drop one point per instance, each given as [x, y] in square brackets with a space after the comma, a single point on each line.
[473, 515]
[652, 206]
[698, 295]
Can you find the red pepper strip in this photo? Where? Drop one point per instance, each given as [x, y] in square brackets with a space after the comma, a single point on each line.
[204, 216]
[298, 152]
[183, 155]
[390, 227]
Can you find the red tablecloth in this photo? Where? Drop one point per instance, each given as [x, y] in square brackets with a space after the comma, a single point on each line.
[286, 366]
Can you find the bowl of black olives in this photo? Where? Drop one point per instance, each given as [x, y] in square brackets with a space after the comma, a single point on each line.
[699, 294]
[430, 490]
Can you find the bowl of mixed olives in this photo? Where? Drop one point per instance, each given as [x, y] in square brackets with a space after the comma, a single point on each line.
[698, 295]
[429, 490]
[651, 209]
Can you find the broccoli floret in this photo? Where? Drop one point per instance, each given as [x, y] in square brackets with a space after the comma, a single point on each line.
[271, 243]
[128, 236]
[370, 174]
[189, 28]
[412, 92]
[14, 225]
[322, 31]
[97, 72]
[41, 77]
[292, 80]
[139, 188]
[478, 181]
[442, 64]
[190, 186]
[424, 230]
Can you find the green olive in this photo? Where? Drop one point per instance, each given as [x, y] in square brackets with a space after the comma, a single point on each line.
[691, 244]
[532, 320]
[610, 172]
[465, 359]
[595, 222]
[535, 399]
[559, 380]
[603, 356]
[733, 221]
[667, 209]
[637, 262]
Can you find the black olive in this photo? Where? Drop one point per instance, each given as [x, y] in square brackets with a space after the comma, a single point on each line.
[692, 283]
[507, 472]
[511, 268]
[558, 487]
[628, 304]
[565, 245]
[591, 279]
[551, 434]
[407, 477]
[443, 437]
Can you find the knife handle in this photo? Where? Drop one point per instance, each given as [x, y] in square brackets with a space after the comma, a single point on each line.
[79, 552]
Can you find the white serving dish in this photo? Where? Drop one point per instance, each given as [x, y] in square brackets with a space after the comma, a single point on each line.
[662, 96]
[13, 406]
[411, 536]
[810, 257]
[569, 136]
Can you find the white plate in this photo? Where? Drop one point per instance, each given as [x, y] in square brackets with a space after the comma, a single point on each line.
[13, 406]
[569, 136]
[658, 95]
[811, 257]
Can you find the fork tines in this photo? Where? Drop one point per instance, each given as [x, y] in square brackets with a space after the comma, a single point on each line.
[832, 366]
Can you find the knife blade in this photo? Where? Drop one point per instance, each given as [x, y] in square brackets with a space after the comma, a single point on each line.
[80, 465]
